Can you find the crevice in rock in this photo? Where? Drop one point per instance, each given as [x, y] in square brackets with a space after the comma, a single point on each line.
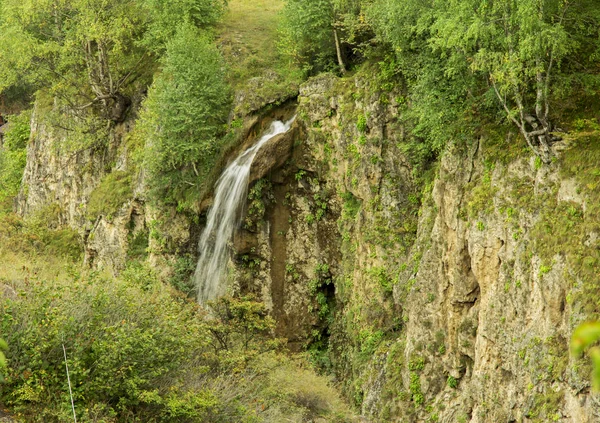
[278, 216]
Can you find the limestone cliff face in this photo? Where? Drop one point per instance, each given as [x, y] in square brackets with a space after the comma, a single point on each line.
[66, 179]
[447, 299]
[444, 293]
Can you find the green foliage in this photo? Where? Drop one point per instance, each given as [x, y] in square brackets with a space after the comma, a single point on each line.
[307, 34]
[91, 55]
[136, 352]
[308, 28]
[138, 245]
[114, 190]
[351, 205]
[183, 269]
[468, 57]
[241, 329]
[13, 155]
[120, 339]
[415, 389]
[19, 130]
[166, 16]
[451, 382]
[40, 233]
[383, 279]
[183, 117]
[3, 348]
[361, 124]
[85, 54]
[583, 340]
[259, 195]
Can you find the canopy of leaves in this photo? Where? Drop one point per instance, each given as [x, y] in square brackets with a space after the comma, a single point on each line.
[91, 54]
[307, 34]
[515, 56]
[165, 16]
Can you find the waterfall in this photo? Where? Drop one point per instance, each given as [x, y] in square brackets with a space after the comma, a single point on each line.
[225, 217]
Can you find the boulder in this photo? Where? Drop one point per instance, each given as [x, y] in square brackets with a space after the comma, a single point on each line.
[273, 154]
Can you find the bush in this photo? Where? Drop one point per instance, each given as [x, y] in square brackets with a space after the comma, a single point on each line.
[307, 34]
[183, 269]
[39, 234]
[126, 349]
[137, 353]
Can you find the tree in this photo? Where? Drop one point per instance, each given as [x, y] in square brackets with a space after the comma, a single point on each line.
[183, 116]
[307, 36]
[241, 324]
[317, 33]
[83, 52]
[517, 45]
[89, 54]
[437, 91]
[519, 50]
[166, 16]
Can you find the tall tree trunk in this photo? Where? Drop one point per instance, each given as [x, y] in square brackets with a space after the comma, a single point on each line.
[339, 52]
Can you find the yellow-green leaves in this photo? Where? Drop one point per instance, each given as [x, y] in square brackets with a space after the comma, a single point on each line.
[3, 347]
[583, 339]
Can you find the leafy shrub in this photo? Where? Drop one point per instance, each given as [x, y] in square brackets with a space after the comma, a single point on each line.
[40, 233]
[123, 345]
[166, 15]
[240, 324]
[307, 34]
[137, 353]
[183, 269]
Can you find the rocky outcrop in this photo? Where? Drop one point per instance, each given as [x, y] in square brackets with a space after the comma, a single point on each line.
[260, 92]
[447, 299]
[273, 154]
[444, 293]
[56, 175]
[6, 418]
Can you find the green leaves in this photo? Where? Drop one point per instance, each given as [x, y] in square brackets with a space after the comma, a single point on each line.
[3, 347]
[307, 34]
[13, 155]
[184, 115]
[584, 336]
[166, 16]
[91, 56]
[456, 55]
[122, 342]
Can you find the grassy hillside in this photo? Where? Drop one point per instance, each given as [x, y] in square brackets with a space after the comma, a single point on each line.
[247, 38]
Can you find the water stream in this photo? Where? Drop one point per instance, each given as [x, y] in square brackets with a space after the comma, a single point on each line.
[225, 217]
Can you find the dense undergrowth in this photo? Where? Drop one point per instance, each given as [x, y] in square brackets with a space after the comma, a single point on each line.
[139, 351]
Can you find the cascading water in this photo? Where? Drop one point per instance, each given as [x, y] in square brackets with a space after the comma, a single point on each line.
[225, 216]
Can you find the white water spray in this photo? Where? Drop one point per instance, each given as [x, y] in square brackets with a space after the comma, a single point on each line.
[224, 218]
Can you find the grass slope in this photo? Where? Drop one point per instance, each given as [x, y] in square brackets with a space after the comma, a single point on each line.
[248, 39]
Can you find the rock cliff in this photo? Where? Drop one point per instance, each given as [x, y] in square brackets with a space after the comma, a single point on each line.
[443, 291]
[450, 298]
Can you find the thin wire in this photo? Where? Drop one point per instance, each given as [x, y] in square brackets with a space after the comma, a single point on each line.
[69, 380]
